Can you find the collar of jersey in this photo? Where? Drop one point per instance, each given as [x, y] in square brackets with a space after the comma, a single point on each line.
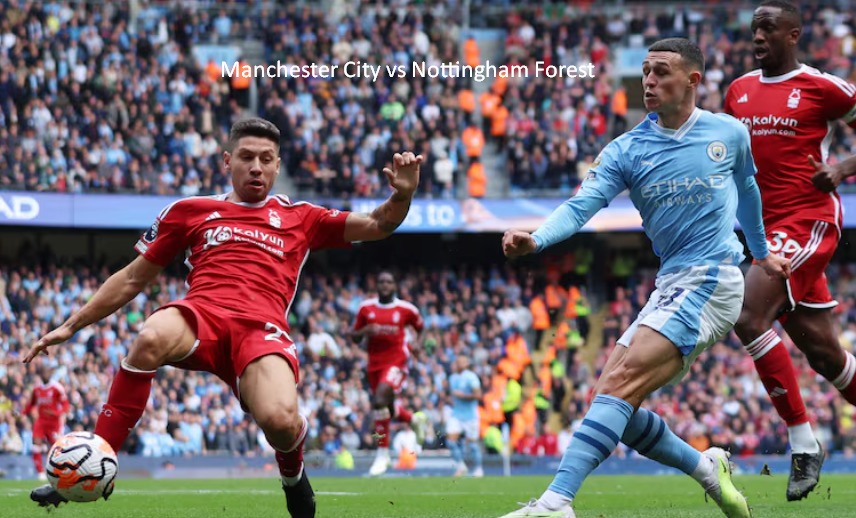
[224, 196]
[670, 133]
[783, 77]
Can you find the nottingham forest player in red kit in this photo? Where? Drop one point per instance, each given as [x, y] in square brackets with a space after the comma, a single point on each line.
[51, 403]
[384, 320]
[245, 251]
[791, 111]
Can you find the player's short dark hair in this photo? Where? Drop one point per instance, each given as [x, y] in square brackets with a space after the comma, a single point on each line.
[790, 12]
[689, 51]
[386, 272]
[253, 127]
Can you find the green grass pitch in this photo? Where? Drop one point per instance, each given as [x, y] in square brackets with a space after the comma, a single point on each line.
[600, 497]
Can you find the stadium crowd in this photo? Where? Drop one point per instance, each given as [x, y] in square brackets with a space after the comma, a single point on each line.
[556, 127]
[93, 100]
[485, 314]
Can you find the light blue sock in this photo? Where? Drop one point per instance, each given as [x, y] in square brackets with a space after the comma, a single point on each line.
[598, 435]
[477, 454]
[455, 449]
[648, 434]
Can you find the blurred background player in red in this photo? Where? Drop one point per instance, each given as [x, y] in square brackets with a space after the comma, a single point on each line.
[383, 321]
[791, 110]
[51, 404]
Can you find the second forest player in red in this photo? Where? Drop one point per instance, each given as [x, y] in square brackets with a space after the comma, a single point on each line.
[791, 111]
[384, 321]
[245, 251]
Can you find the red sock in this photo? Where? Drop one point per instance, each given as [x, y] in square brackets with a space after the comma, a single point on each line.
[381, 427]
[37, 460]
[291, 461]
[128, 398]
[402, 415]
[844, 382]
[776, 370]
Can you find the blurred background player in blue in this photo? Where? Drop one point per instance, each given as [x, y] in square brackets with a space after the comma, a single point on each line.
[465, 388]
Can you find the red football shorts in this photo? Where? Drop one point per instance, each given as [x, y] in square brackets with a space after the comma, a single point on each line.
[227, 342]
[810, 245]
[393, 376]
[48, 430]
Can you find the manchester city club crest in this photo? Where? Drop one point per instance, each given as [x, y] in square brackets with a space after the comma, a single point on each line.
[717, 151]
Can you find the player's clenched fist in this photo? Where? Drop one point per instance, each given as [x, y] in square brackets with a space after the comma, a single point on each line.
[776, 266]
[516, 243]
[404, 175]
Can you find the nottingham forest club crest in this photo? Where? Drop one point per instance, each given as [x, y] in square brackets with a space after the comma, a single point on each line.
[717, 151]
[275, 221]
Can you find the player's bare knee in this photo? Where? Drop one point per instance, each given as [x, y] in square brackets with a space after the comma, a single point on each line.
[616, 382]
[383, 397]
[750, 325]
[826, 361]
[281, 424]
[149, 350]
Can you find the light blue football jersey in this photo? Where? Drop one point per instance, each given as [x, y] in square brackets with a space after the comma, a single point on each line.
[466, 382]
[684, 184]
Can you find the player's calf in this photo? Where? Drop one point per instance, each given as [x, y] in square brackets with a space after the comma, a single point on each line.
[165, 337]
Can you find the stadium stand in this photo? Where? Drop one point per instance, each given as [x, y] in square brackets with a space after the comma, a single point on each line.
[555, 128]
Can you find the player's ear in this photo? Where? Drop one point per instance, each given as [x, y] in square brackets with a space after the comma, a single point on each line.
[227, 158]
[694, 79]
[794, 35]
[278, 165]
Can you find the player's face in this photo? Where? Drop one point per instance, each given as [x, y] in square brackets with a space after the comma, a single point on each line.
[45, 374]
[664, 80]
[773, 37]
[254, 165]
[385, 285]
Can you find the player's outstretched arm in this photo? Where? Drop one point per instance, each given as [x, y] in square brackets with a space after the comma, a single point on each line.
[116, 291]
[563, 223]
[388, 216]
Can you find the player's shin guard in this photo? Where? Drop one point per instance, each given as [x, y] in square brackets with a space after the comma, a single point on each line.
[844, 382]
[594, 441]
[777, 374]
[402, 415]
[648, 434]
[290, 460]
[382, 427]
[776, 371]
[126, 403]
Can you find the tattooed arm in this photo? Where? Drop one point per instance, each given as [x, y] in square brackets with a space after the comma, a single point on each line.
[389, 215]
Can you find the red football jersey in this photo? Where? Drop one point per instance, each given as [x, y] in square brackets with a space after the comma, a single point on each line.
[388, 347]
[789, 118]
[243, 257]
[50, 400]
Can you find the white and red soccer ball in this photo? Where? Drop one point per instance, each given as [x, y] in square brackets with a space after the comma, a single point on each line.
[82, 467]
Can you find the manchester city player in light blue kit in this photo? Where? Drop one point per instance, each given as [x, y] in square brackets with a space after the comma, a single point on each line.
[466, 394]
[690, 175]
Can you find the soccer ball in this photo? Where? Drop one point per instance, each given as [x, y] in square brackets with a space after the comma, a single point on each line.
[82, 467]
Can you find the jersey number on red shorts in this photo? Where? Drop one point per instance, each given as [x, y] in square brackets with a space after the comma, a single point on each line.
[393, 376]
[275, 336]
[781, 243]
